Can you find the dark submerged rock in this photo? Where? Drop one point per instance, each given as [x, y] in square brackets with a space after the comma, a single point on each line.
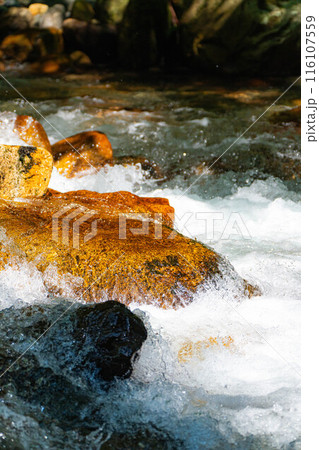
[113, 334]
[88, 342]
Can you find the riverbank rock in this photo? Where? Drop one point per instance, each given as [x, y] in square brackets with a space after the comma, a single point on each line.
[111, 246]
[24, 171]
[81, 152]
[241, 36]
[31, 132]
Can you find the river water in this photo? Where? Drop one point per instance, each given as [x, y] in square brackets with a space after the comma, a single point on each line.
[217, 373]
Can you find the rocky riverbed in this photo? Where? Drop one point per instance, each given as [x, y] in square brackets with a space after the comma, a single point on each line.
[217, 366]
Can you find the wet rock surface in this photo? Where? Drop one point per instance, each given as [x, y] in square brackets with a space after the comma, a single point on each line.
[24, 171]
[121, 246]
[92, 343]
[81, 152]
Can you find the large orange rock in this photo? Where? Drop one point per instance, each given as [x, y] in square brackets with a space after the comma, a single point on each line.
[31, 132]
[97, 247]
[81, 152]
[24, 171]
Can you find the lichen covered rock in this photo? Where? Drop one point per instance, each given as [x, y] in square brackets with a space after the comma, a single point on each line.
[24, 171]
[111, 246]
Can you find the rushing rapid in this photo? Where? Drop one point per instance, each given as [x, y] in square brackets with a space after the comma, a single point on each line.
[218, 373]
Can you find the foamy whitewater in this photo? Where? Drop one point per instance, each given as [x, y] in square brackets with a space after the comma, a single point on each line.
[218, 373]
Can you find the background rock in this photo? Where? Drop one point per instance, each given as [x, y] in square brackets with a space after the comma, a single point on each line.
[95, 40]
[53, 18]
[81, 152]
[242, 35]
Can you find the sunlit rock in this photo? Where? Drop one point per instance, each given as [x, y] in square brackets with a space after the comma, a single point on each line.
[112, 246]
[24, 171]
[83, 151]
[31, 132]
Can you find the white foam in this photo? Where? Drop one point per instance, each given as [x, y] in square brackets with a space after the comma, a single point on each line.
[7, 134]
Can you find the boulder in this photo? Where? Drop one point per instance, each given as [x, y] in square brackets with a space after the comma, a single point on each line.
[242, 36]
[81, 152]
[97, 247]
[95, 342]
[24, 171]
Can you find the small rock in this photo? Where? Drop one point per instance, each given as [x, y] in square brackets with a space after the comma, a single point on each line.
[24, 171]
[81, 152]
[80, 59]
